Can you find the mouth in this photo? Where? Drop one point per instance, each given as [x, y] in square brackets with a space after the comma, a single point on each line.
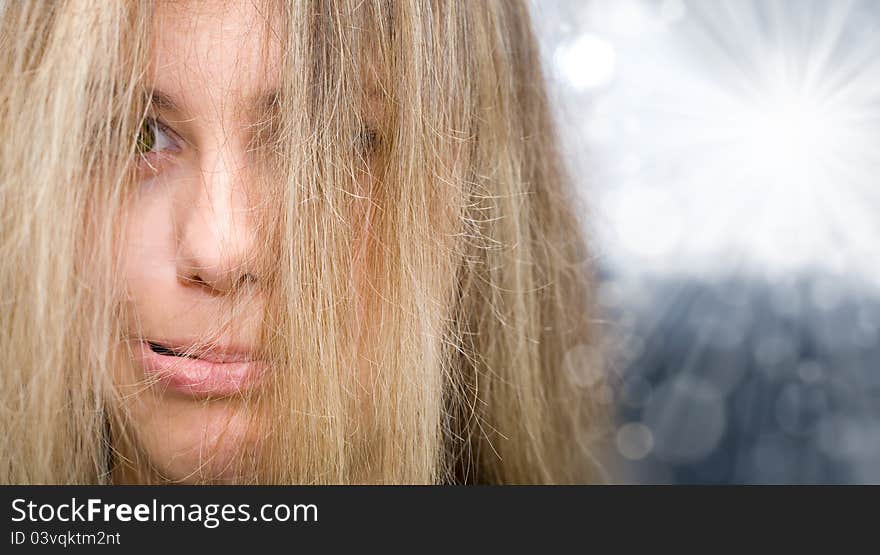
[160, 349]
[199, 372]
[212, 354]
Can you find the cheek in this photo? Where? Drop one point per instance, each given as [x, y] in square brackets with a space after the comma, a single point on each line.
[148, 244]
[146, 224]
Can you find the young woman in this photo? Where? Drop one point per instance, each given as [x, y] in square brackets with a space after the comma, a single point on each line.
[319, 241]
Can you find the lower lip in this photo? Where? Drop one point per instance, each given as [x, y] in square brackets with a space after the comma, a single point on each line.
[196, 377]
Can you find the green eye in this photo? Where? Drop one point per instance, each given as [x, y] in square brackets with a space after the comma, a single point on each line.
[146, 138]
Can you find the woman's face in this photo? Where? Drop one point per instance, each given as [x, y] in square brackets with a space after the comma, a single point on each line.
[190, 240]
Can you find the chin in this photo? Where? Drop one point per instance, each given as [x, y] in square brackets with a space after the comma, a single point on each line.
[194, 441]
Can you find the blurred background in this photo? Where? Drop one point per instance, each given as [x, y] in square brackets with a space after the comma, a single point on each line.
[728, 152]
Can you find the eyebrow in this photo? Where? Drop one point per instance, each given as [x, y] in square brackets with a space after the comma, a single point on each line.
[164, 101]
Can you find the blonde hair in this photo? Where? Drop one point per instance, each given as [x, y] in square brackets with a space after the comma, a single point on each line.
[467, 298]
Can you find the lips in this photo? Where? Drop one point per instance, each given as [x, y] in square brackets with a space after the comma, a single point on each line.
[215, 372]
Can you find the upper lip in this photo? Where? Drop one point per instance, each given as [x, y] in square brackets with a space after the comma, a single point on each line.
[210, 352]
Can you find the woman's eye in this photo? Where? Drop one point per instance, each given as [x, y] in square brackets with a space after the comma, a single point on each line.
[368, 141]
[154, 137]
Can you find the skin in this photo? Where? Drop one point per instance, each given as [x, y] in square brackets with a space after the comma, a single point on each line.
[191, 228]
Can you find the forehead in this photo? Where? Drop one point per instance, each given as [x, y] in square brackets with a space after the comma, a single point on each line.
[213, 51]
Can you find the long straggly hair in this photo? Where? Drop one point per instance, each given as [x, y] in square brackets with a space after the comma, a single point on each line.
[467, 296]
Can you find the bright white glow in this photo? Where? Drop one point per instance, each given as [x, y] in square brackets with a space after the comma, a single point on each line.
[587, 63]
[672, 10]
[625, 17]
[645, 221]
[756, 138]
[786, 138]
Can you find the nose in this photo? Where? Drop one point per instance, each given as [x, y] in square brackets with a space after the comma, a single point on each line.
[214, 225]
